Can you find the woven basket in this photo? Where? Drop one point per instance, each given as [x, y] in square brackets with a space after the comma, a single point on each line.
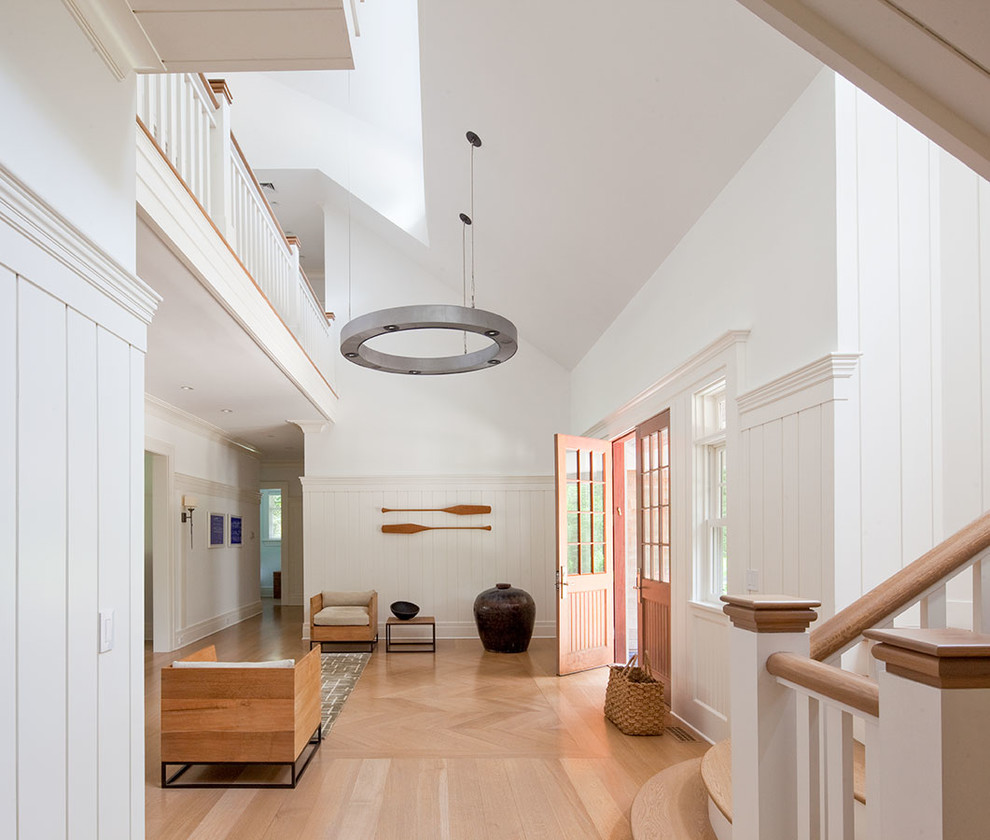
[634, 699]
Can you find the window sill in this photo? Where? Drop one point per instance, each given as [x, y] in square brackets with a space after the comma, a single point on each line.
[708, 607]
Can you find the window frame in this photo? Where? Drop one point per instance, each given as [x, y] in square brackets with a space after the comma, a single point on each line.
[710, 444]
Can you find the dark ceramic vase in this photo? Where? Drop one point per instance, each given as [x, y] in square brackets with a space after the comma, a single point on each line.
[505, 617]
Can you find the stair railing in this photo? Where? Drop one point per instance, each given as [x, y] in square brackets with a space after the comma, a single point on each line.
[187, 118]
[793, 717]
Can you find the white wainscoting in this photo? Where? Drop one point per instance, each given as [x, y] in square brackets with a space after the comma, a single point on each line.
[72, 331]
[709, 634]
[441, 571]
[787, 441]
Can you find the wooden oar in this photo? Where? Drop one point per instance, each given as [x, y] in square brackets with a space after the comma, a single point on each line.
[410, 528]
[457, 510]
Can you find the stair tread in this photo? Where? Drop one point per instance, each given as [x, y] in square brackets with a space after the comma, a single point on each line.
[716, 773]
[673, 805]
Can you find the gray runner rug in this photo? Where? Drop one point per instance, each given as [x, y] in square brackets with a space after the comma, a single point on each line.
[340, 675]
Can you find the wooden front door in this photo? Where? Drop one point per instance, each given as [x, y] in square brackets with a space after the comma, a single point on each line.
[583, 468]
[653, 492]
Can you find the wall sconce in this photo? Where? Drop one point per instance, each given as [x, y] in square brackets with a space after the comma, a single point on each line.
[189, 503]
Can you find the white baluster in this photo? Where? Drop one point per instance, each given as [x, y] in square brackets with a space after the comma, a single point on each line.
[809, 805]
[981, 596]
[839, 773]
[874, 813]
[933, 609]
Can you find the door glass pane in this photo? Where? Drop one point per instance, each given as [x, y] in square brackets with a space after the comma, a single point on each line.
[645, 500]
[599, 497]
[665, 486]
[572, 496]
[571, 461]
[654, 457]
[665, 525]
[655, 534]
[598, 470]
[572, 527]
[664, 447]
[599, 528]
[585, 499]
[585, 558]
[654, 562]
[655, 487]
[572, 559]
[585, 533]
[599, 557]
[586, 465]
[665, 565]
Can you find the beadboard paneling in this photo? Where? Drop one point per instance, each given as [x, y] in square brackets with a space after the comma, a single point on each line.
[914, 291]
[442, 571]
[71, 429]
[710, 655]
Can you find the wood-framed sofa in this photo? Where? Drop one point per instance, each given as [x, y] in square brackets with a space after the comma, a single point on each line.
[344, 617]
[239, 713]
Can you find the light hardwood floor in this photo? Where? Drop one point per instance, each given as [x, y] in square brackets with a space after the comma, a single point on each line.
[462, 744]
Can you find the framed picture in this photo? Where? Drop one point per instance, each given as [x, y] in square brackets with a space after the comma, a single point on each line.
[235, 529]
[218, 529]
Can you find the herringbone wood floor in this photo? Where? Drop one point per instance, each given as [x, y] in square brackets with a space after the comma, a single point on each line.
[463, 744]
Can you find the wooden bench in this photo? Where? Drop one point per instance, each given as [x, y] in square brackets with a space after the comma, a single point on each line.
[239, 714]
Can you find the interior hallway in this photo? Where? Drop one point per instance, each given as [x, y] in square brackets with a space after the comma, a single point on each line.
[462, 744]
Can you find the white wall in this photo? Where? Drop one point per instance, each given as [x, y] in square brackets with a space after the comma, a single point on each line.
[73, 333]
[913, 280]
[454, 439]
[212, 587]
[762, 258]
[71, 495]
[68, 128]
[285, 475]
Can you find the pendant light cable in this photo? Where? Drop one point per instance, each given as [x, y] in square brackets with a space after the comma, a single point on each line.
[473, 146]
[347, 141]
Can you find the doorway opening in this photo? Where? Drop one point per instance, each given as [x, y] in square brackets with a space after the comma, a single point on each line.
[271, 543]
[625, 547]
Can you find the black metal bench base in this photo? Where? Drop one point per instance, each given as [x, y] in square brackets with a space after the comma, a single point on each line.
[371, 644]
[297, 771]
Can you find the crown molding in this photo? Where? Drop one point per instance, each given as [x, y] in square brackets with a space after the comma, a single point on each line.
[813, 384]
[207, 487]
[165, 411]
[42, 225]
[639, 407]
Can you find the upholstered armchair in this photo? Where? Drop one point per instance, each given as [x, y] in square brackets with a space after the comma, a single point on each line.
[348, 617]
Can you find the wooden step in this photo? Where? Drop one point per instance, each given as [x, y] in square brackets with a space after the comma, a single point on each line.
[716, 774]
[673, 805]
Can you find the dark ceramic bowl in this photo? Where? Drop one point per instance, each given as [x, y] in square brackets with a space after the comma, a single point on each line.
[404, 610]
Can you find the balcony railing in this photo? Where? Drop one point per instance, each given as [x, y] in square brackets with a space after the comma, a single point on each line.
[190, 124]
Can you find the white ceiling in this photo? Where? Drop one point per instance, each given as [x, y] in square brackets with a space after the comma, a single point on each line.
[607, 132]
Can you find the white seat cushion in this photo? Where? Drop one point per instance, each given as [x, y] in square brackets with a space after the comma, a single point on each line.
[274, 663]
[347, 599]
[342, 617]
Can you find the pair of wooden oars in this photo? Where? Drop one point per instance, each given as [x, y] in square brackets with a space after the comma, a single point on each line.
[457, 510]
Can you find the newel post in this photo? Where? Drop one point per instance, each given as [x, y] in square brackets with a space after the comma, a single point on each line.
[221, 187]
[934, 733]
[764, 716]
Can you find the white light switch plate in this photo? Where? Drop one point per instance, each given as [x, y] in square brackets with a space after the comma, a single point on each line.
[106, 630]
[752, 580]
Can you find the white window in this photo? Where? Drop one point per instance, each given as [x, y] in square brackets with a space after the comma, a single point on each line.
[712, 545]
[271, 514]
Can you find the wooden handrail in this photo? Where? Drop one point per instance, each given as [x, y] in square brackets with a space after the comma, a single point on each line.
[900, 590]
[843, 686]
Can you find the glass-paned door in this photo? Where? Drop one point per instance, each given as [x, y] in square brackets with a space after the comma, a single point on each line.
[653, 490]
[583, 573]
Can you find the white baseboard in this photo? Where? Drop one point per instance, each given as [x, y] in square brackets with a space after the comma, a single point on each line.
[194, 632]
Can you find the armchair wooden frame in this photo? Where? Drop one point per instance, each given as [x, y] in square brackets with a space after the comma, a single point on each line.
[344, 634]
[239, 717]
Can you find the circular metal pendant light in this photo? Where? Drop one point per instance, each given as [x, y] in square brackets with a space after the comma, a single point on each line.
[500, 331]
[439, 316]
